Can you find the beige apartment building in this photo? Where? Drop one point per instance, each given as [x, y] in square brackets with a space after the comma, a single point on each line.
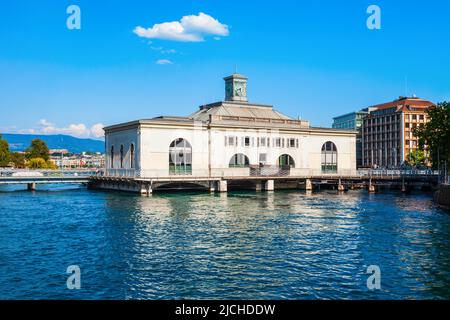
[387, 131]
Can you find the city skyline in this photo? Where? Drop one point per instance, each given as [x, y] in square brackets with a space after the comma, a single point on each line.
[124, 65]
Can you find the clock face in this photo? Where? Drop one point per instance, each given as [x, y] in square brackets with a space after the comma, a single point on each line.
[239, 89]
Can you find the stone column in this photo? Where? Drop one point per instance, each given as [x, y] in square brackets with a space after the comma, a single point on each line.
[223, 186]
[212, 186]
[308, 185]
[371, 187]
[258, 186]
[146, 189]
[269, 185]
[340, 186]
[32, 186]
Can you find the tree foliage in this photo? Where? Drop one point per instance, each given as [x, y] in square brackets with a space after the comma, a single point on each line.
[416, 158]
[38, 149]
[18, 160]
[435, 135]
[39, 163]
[4, 152]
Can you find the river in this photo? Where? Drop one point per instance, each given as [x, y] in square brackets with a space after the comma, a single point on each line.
[240, 245]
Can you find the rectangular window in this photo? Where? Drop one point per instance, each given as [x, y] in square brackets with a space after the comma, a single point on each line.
[262, 142]
[247, 141]
[231, 141]
[292, 143]
[278, 142]
[296, 143]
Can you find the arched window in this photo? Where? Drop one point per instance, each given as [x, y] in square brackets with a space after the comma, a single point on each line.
[121, 157]
[112, 157]
[329, 157]
[286, 160]
[132, 156]
[239, 160]
[180, 157]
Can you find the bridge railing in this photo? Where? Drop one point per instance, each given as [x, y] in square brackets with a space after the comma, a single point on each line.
[47, 173]
[264, 171]
[395, 172]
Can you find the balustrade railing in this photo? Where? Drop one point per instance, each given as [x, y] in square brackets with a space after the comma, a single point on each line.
[263, 171]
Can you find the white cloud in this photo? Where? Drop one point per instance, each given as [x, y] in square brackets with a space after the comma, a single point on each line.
[191, 28]
[97, 130]
[79, 130]
[45, 123]
[164, 61]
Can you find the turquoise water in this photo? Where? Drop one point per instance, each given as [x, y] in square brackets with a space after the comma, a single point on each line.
[240, 245]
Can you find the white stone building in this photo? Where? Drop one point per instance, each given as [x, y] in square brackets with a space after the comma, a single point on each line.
[231, 138]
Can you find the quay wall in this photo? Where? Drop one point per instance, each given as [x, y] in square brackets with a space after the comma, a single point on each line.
[442, 196]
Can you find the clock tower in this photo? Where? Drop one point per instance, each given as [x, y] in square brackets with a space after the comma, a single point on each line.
[236, 88]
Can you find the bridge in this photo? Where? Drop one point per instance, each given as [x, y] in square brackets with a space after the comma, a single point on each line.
[223, 179]
[33, 177]
[262, 178]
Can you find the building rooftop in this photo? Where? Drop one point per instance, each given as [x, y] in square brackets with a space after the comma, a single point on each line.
[403, 102]
[237, 109]
[233, 112]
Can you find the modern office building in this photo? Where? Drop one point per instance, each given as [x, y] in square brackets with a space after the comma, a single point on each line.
[227, 138]
[387, 131]
[353, 121]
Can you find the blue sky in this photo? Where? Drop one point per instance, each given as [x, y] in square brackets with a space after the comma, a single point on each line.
[313, 59]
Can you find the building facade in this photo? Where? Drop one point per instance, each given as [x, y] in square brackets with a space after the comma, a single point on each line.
[225, 139]
[353, 121]
[387, 131]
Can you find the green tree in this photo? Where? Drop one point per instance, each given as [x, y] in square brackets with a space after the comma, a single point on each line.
[434, 136]
[38, 149]
[18, 159]
[37, 163]
[416, 158]
[50, 165]
[4, 152]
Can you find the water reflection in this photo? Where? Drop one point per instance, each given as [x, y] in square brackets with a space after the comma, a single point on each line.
[275, 245]
[237, 245]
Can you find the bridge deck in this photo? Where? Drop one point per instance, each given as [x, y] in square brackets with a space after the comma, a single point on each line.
[43, 180]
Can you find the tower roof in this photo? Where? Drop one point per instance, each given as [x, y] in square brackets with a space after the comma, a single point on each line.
[236, 76]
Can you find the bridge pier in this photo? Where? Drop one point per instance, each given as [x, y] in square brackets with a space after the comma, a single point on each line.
[308, 185]
[223, 186]
[212, 186]
[269, 185]
[404, 190]
[146, 189]
[341, 187]
[31, 186]
[371, 187]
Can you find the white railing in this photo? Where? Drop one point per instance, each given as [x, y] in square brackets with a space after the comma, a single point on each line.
[122, 173]
[387, 172]
[5, 172]
[262, 172]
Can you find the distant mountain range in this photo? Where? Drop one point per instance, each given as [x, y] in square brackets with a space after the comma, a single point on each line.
[20, 142]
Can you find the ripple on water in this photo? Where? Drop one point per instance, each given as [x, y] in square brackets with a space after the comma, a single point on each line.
[244, 245]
